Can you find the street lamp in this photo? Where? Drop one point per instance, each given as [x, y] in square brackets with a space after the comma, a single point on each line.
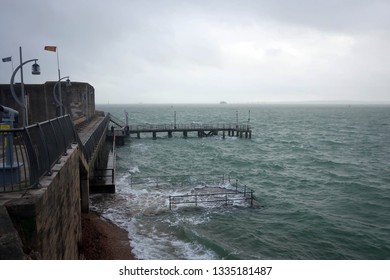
[58, 100]
[22, 102]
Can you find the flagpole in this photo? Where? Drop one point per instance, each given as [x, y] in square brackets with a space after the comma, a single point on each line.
[59, 82]
[24, 107]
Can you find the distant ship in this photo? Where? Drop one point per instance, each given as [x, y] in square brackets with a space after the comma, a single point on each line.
[223, 102]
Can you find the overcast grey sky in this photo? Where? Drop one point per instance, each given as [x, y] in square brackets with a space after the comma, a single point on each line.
[181, 51]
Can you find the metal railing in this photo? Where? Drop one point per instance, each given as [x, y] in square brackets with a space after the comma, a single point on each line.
[27, 154]
[227, 197]
[88, 147]
[219, 189]
[107, 175]
[187, 127]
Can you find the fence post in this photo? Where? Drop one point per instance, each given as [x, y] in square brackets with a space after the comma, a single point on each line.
[170, 208]
[43, 141]
[112, 176]
[252, 198]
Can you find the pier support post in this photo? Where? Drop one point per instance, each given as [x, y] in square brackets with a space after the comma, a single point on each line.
[84, 186]
[138, 135]
[154, 135]
[223, 134]
[169, 134]
[185, 134]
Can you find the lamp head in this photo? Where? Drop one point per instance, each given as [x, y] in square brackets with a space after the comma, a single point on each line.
[35, 69]
[68, 84]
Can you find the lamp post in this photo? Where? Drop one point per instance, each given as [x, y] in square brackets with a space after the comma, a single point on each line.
[55, 49]
[59, 99]
[22, 102]
[174, 120]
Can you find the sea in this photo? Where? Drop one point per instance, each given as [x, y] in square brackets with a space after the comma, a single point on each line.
[320, 176]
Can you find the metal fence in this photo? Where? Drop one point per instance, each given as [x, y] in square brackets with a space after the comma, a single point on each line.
[27, 154]
[220, 189]
[188, 127]
[88, 146]
[223, 197]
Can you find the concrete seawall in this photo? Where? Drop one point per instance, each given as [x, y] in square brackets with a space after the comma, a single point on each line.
[48, 218]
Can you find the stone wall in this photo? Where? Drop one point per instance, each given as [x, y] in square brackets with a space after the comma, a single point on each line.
[78, 100]
[48, 219]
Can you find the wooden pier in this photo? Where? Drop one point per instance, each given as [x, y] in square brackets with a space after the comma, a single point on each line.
[202, 130]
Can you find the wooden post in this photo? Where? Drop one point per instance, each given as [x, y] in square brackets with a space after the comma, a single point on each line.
[154, 135]
[223, 134]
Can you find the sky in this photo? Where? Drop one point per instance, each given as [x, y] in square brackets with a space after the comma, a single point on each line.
[187, 51]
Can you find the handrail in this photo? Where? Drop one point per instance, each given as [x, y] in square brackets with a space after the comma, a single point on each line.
[226, 198]
[89, 145]
[27, 154]
[181, 127]
[230, 189]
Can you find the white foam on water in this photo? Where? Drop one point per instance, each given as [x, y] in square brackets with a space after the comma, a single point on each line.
[134, 170]
[149, 242]
[155, 232]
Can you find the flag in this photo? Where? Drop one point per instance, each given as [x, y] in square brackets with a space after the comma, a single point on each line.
[7, 59]
[51, 48]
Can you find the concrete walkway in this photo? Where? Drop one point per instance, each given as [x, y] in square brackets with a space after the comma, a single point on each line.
[88, 128]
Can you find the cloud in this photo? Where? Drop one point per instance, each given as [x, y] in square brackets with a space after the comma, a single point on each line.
[206, 51]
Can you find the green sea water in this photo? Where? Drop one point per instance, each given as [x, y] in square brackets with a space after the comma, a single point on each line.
[321, 176]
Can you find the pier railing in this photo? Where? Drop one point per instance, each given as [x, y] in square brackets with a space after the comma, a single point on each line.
[187, 127]
[88, 147]
[227, 197]
[218, 189]
[27, 154]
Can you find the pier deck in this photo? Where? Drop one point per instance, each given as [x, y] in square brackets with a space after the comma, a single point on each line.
[202, 130]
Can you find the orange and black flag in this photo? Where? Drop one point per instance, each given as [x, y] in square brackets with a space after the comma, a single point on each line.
[51, 48]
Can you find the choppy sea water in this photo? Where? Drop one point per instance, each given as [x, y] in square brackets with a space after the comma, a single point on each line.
[321, 176]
